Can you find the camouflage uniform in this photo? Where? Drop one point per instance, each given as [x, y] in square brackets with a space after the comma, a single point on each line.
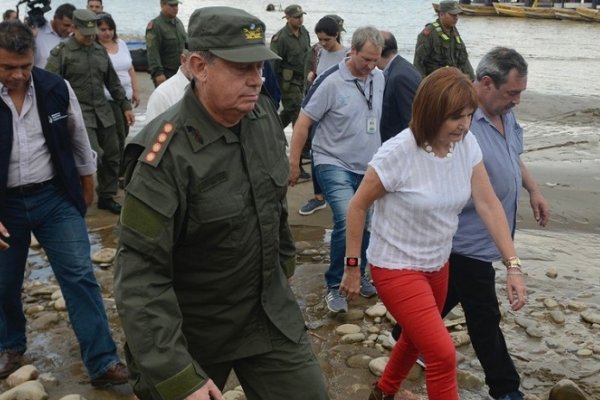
[165, 40]
[438, 48]
[289, 70]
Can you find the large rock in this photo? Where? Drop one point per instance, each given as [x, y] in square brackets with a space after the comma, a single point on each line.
[73, 397]
[346, 329]
[566, 390]
[377, 365]
[377, 310]
[44, 321]
[30, 390]
[104, 256]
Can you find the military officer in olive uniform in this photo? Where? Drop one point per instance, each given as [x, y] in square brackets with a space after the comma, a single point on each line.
[165, 41]
[86, 65]
[205, 247]
[440, 45]
[292, 44]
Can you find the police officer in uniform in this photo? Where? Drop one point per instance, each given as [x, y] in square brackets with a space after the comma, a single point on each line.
[205, 247]
[86, 65]
[439, 44]
[165, 41]
[292, 44]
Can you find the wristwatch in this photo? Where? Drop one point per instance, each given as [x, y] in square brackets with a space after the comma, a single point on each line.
[352, 261]
[512, 262]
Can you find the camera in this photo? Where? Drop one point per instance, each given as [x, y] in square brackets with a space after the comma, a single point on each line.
[35, 11]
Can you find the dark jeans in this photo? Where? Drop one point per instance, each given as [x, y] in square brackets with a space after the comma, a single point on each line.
[472, 285]
[61, 230]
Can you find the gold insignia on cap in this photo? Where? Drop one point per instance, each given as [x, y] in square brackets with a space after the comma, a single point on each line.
[91, 24]
[253, 32]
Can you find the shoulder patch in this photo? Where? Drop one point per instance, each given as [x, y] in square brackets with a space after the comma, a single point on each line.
[275, 37]
[426, 31]
[150, 25]
[56, 50]
[154, 152]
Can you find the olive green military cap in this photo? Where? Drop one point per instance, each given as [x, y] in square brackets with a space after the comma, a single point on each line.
[339, 20]
[294, 10]
[85, 21]
[229, 33]
[172, 2]
[450, 6]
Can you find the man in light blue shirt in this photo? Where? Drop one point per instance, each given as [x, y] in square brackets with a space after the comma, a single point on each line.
[52, 33]
[346, 102]
[500, 79]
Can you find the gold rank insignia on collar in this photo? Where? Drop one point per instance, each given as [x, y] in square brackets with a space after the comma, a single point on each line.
[253, 32]
[153, 153]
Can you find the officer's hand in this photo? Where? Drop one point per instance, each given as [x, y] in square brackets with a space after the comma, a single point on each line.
[3, 235]
[158, 79]
[209, 391]
[129, 117]
[294, 174]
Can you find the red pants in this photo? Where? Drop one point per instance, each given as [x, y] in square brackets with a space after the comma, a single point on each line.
[415, 299]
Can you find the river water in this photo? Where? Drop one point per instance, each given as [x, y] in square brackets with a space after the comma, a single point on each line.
[563, 55]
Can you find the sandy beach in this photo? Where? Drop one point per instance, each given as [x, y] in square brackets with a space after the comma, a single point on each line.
[553, 337]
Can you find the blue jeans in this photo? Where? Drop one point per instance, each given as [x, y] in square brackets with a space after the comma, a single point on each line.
[61, 230]
[339, 185]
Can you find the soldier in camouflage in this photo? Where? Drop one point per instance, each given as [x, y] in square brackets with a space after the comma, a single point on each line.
[165, 40]
[440, 45]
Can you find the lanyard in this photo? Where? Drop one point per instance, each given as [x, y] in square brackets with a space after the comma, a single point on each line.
[370, 98]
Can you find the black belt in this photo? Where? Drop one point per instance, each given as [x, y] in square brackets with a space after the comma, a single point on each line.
[29, 188]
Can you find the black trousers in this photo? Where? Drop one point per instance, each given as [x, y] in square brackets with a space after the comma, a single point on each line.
[472, 285]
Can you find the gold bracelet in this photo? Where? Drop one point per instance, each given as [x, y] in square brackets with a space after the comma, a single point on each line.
[512, 262]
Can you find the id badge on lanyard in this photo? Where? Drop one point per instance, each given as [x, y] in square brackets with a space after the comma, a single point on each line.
[372, 118]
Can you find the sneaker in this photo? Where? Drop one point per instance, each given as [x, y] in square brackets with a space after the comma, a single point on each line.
[515, 395]
[304, 176]
[366, 287]
[312, 206]
[421, 361]
[335, 301]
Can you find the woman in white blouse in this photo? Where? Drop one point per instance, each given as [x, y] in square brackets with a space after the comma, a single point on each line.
[121, 59]
[418, 183]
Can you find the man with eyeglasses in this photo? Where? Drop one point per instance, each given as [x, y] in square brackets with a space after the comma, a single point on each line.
[165, 41]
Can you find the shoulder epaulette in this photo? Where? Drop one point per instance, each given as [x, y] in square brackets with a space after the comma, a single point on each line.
[150, 25]
[57, 48]
[154, 152]
[275, 37]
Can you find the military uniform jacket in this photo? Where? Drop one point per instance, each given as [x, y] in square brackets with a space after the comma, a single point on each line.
[293, 51]
[89, 69]
[165, 40]
[203, 245]
[437, 48]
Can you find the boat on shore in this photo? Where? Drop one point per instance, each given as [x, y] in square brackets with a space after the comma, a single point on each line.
[569, 14]
[509, 10]
[139, 56]
[589, 14]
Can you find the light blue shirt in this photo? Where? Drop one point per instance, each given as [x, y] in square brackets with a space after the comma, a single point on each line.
[501, 155]
[341, 110]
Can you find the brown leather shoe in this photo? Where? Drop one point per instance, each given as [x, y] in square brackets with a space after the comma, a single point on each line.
[115, 375]
[377, 394]
[10, 361]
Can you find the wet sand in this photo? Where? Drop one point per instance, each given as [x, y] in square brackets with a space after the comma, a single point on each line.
[567, 168]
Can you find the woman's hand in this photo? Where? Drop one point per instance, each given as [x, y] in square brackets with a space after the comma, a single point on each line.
[350, 285]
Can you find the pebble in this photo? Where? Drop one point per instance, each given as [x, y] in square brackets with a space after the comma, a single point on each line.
[524, 322]
[346, 329]
[552, 273]
[460, 338]
[376, 365]
[378, 310]
[566, 389]
[42, 290]
[469, 380]
[534, 332]
[60, 304]
[56, 295]
[353, 338]
[30, 390]
[584, 352]
[359, 361]
[576, 306]
[550, 303]
[34, 309]
[557, 317]
[592, 318]
[73, 397]
[105, 255]
[353, 314]
[373, 329]
[25, 373]
[44, 321]
[234, 395]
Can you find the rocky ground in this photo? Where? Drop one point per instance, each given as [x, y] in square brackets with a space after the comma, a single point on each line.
[555, 337]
